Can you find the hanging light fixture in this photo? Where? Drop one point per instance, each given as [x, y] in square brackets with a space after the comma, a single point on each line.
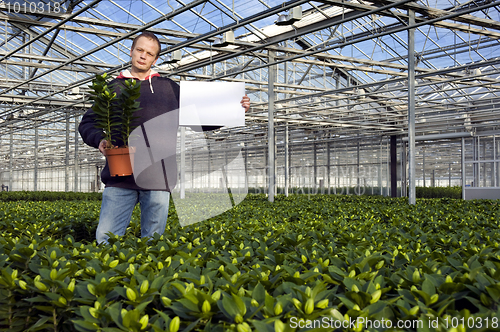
[226, 39]
[294, 15]
[74, 91]
[473, 72]
[361, 93]
[174, 57]
[282, 20]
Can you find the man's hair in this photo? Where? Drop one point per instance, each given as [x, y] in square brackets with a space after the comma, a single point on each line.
[150, 36]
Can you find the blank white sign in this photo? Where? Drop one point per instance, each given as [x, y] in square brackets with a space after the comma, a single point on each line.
[211, 104]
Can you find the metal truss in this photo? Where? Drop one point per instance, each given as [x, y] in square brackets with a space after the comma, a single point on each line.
[341, 72]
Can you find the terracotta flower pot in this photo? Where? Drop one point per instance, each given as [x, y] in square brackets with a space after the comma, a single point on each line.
[120, 160]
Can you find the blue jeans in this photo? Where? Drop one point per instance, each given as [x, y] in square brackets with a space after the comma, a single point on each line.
[117, 206]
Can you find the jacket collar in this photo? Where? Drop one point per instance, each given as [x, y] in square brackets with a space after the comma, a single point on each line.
[152, 73]
[128, 74]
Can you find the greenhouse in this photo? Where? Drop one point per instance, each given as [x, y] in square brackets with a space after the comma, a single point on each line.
[358, 192]
[381, 97]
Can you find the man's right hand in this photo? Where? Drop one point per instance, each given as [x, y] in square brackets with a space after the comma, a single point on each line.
[103, 145]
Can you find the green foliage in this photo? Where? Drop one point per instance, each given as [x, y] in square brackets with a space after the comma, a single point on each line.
[254, 268]
[421, 192]
[114, 114]
[128, 105]
[439, 192]
[7, 196]
[104, 97]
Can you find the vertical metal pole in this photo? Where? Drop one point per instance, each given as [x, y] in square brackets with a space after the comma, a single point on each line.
[449, 175]
[328, 166]
[24, 51]
[379, 173]
[97, 184]
[474, 158]
[89, 183]
[270, 134]
[266, 159]
[66, 156]
[30, 50]
[357, 167]
[337, 86]
[293, 177]
[287, 159]
[315, 166]
[183, 162]
[349, 169]
[337, 178]
[462, 162]
[411, 109]
[287, 135]
[423, 166]
[35, 171]
[494, 163]
[80, 179]
[394, 167]
[403, 169]
[6, 40]
[11, 156]
[388, 168]
[485, 174]
[497, 163]
[276, 178]
[76, 164]
[478, 174]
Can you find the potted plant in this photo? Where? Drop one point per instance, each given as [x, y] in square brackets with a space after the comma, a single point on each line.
[114, 115]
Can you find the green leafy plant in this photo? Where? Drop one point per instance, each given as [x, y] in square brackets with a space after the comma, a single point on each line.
[259, 267]
[104, 97]
[114, 114]
[7, 196]
[439, 192]
[128, 104]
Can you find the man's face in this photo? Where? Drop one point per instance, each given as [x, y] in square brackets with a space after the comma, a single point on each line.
[144, 54]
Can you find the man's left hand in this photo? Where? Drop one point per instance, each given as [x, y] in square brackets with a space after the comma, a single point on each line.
[245, 103]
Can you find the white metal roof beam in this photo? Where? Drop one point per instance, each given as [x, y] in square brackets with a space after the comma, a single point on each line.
[256, 31]
[152, 23]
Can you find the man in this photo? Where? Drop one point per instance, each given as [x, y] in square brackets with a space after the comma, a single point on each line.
[159, 95]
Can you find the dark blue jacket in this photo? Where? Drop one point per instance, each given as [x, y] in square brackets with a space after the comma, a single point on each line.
[159, 95]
